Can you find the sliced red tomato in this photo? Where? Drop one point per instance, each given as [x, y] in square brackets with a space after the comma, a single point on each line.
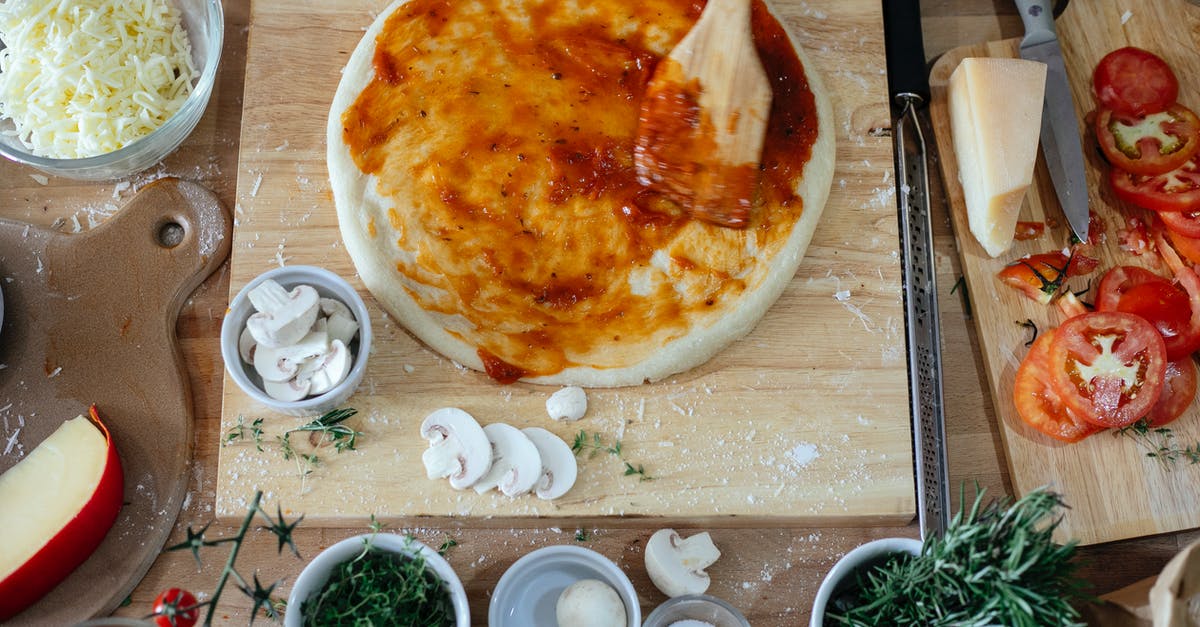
[1134, 81]
[1177, 190]
[1189, 247]
[1039, 277]
[1029, 230]
[1155, 143]
[1179, 388]
[1118, 280]
[1038, 404]
[1167, 307]
[1134, 238]
[1186, 223]
[1108, 367]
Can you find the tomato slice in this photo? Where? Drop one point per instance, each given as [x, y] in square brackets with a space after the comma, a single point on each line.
[1135, 82]
[1186, 223]
[1179, 388]
[1168, 308]
[1108, 366]
[1038, 404]
[1118, 280]
[1177, 190]
[1189, 247]
[1155, 143]
[1039, 277]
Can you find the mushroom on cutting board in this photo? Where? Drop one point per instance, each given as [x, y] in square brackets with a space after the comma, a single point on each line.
[282, 318]
[559, 468]
[569, 403]
[676, 565]
[458, 447]
[590, 603]
[516, 462]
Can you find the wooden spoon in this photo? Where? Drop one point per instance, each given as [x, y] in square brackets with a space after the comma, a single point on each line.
[703, 118]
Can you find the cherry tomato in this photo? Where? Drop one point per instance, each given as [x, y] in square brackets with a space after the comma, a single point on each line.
[1177, 190]
[1108, 367]
[1134, 81]
[171, 608]
[1179, 389]
[1152, 144]
[1186, 223]
[1039, 277]
[1038, 404]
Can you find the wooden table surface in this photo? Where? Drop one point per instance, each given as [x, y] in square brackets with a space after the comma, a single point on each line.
[771, 574]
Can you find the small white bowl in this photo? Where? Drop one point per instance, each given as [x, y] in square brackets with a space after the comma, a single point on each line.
[316, 573]
[328, 285]
[701, 607]
[844, 572]
[527, 594]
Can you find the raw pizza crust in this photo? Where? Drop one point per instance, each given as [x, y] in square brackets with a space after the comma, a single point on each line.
[357, 199]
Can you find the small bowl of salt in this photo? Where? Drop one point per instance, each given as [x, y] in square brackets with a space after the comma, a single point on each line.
[696, 610]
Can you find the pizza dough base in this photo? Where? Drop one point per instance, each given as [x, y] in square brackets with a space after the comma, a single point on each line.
[352, 189]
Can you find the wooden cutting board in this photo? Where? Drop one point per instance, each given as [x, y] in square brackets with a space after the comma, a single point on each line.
[806, 420]
[1113, 489]
[90, 318]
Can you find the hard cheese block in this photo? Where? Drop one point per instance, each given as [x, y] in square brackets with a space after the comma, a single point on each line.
[995, 116]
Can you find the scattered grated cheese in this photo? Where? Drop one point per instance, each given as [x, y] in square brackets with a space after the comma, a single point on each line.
[39, 179]
[1125, 17]
[87, 77]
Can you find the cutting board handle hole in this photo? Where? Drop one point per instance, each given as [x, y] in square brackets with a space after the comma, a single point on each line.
[170, 234]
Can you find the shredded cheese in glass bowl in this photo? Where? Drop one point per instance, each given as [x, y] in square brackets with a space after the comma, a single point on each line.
[99, 89]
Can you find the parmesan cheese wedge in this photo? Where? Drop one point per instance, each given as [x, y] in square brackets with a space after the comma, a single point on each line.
[995, 118]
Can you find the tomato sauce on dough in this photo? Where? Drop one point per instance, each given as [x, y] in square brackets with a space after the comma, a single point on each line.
[503, 131]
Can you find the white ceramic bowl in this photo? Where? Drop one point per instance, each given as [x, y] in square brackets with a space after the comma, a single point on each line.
[844, 572]
[701, 607]
[314, 576]
[204, 21]
[328, 285]
[527, 594]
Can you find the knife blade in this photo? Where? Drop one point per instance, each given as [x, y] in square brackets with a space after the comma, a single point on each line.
[1061, 145]
[909, 87]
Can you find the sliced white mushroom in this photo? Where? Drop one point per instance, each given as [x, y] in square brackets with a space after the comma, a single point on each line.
[332, 307]
[569, 403]
[246, 346]
[283, 363]
[341, 328]
[458, 447]
[590, 603]
[287, 391]
[328, 369]
[283, 317]
[559, 468]
[516, 463]
[676, 565]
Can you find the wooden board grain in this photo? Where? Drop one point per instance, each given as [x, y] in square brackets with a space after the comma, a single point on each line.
[1114, 490]
[90, 319]
[805, 420]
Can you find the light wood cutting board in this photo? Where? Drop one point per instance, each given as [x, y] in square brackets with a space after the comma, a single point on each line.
[1113, 489]
[806, 420]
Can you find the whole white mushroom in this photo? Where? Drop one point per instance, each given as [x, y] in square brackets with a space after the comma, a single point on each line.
[590, 603]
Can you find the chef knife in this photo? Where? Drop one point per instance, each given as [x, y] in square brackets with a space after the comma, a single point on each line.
[909, 87]
[1060, 126]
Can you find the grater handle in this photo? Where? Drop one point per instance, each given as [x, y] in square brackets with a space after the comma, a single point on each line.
[905, 49]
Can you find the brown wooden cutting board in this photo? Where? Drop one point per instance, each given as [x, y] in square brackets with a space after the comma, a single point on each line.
[805, 420]
[1113, 489]
[90, 319]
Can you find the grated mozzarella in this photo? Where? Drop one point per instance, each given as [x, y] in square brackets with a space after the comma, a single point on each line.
[80, 78]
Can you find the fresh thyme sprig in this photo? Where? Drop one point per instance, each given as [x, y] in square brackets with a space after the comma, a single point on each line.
[582, 535]
[259, 595]
[327, 428]
[995, 565]
[595, 444]
[239, 432]
[1160, 443]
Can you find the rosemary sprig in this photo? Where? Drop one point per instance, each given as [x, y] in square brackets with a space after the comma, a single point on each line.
[259, 595]
[595, 444]
[1160, 443]
[995, 565]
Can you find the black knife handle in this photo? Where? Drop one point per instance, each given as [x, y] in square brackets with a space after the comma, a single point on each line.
[905, 48]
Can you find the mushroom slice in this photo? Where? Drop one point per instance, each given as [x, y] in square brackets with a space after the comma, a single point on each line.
[287, 391]
[341, 328]
[332, 307]
[328, 369]
[458, 447]
[559, 467]
[246, 346]
[283, 363]
[516, 463]
[676, 565]
[283, 317]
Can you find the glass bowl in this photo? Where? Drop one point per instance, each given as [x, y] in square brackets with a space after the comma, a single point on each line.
[204, 21]
[700, 608]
